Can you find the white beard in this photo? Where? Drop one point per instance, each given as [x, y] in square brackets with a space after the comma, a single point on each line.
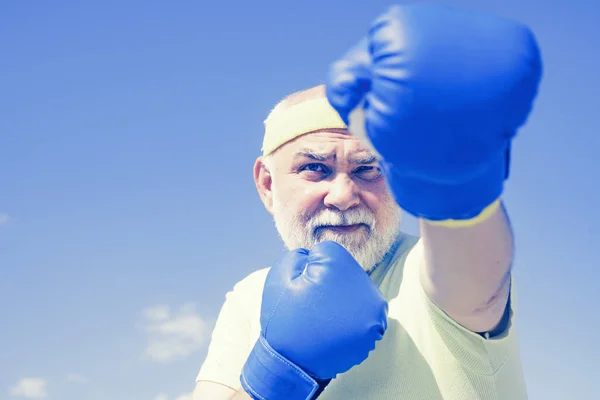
[368, 245]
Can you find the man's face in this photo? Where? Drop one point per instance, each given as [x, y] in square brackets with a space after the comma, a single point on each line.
[327, 186]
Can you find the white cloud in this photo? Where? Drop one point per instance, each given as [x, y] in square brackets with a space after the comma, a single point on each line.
[3, 219]
[29, 388]
[157, 313]
[173, 335]
[161, 396]
[77, 378]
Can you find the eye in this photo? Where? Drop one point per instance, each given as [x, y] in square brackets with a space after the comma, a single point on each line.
[368, 172]
[314, 170]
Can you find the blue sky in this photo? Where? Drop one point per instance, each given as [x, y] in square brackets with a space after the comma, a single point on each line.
[127, 207]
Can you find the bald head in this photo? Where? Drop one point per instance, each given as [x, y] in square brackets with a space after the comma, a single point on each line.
[315, 92]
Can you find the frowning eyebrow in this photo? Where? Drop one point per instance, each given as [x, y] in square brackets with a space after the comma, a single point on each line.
[361, 157]
[313, 155]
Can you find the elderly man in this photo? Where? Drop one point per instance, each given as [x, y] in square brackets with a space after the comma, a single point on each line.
[357, 309]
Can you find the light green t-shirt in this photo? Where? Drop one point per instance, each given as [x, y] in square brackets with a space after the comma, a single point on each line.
[424, 355]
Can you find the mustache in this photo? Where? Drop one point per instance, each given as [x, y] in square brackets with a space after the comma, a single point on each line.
[328, 218]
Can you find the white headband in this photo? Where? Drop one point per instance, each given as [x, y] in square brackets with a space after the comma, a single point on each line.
[282, 126]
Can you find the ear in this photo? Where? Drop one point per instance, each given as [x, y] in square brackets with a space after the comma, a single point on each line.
[263, 182]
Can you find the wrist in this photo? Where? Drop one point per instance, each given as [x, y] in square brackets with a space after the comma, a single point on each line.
[269, 375]
[466, 223]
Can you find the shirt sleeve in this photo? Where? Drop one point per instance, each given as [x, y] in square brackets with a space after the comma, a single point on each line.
[480, 353]
[236, 330]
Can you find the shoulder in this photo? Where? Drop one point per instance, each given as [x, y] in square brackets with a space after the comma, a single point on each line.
[426, 321]
[242, 302]
[388, 275]
[404, 248]
[245, 298]
[252, 283]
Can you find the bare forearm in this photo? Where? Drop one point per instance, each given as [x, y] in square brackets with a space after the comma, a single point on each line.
[466, 271]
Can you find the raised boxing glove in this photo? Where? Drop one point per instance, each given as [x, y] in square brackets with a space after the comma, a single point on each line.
[321, 315]
[443, 92]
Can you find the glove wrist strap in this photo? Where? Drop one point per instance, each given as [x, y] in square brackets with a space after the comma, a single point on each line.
[267, 375]
[465, 223]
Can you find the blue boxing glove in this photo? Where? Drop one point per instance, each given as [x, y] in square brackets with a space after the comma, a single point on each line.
[441, 93]
[321, 315]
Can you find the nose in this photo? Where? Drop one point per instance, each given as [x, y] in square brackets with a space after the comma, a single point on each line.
[343, 193]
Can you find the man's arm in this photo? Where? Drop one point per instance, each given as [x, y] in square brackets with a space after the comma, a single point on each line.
[444, 138]
[466, 270]
[231, 341]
